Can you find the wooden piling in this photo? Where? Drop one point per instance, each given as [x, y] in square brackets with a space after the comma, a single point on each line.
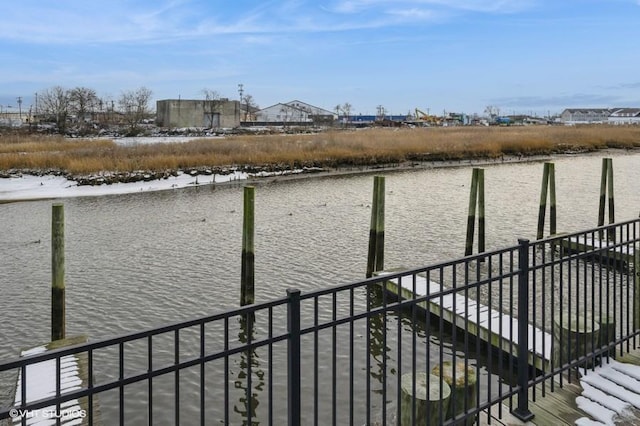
[476, 200]
[375, 255]
[247, 290]
[606, 191]
[463, 383]
[58, 310]
[548, 184]
[574, 337]
[435, 403]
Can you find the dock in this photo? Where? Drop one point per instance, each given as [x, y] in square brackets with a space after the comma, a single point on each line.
[41, 383]
[490, 325]
[608, 395]
[621, 256]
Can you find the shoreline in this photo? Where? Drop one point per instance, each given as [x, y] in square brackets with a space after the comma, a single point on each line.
[27, 188]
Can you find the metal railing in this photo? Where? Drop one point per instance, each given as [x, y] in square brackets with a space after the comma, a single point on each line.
[353, 354]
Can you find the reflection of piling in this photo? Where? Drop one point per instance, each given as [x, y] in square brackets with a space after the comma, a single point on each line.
[248, 263]
[548, 183]
[375, 258]
[250, 377]
[476, 200]
[57, 273]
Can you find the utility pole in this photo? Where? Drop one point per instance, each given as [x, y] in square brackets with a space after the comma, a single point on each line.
[241, 91]
[19, 100]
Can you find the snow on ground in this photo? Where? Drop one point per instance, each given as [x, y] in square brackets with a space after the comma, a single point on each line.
[609, 394]
[29, 187]
[146, 140]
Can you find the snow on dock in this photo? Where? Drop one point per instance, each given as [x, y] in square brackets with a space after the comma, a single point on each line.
[492, 326]
[601, 248]
[41, 383]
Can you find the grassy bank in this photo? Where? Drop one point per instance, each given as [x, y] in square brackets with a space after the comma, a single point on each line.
[329, 149]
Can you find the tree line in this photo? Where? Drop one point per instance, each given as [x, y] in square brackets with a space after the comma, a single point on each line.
[81, 107]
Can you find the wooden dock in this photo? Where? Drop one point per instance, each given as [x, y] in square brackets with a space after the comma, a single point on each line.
[41, 383]
[490, 325]
[621, 256]
[609, 395]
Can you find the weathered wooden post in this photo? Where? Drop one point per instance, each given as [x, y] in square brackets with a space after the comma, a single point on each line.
[462, 382]
[476, 198]
[58, 311]
[606, 192]
[247, 290]
[575, 335]
[435, 403]
[375, 256]
[636, 286]
[607, 335]
[548, 183]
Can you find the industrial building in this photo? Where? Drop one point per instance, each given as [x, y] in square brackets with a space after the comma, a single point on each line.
[294, 113]
[585, 115]
[624, 116]
[209, 114]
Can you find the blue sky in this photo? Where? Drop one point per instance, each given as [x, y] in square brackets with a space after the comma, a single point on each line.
[522, 56]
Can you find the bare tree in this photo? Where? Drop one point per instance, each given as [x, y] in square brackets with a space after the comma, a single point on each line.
[83, 102]
[346, 108]
[212, 106]
[54, 104]
[250, 106]
[134, 105]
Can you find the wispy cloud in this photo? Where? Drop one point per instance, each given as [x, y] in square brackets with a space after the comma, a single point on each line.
[487, 6]
[119, 21]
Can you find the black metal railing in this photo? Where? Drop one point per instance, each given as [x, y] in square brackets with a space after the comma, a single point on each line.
[355, 353]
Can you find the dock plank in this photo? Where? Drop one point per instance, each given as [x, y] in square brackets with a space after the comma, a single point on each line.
[480, 320]
[41, 383]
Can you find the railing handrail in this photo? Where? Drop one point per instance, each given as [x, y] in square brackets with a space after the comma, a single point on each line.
[520, 256]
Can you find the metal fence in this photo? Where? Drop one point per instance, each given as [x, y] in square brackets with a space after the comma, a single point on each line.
[508, 321]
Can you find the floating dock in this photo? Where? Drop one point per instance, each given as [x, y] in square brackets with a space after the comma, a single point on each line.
[41, 383]
[599, 249]
[490, 325]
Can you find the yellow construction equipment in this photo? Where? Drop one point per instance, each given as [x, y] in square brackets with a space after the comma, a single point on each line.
[426, 118]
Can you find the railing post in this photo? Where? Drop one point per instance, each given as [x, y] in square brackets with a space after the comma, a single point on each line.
[522, 412]
[293, 357]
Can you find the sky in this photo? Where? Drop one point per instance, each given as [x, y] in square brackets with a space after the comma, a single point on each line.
[520, 56]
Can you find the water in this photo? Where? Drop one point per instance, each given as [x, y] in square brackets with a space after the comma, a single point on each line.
[142, 260]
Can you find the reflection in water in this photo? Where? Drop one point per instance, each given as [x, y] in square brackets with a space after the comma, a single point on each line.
[379, 351]
[250, 377]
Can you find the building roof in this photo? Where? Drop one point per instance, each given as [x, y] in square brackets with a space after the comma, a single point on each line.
[626, 112]
[587, 110]
[300, 106]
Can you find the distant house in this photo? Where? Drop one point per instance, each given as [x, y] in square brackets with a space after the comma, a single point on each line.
[294, 112]
[624, 116]
[221, 113]
[585, 115]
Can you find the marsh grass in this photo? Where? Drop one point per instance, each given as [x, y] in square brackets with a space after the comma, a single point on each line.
[328, 149]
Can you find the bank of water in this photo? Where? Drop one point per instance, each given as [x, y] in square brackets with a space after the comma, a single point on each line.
[136, 261]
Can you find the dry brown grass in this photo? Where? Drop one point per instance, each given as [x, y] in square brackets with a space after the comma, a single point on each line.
[329, 149]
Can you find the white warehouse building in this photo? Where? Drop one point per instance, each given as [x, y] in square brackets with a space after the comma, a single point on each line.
[294, 112]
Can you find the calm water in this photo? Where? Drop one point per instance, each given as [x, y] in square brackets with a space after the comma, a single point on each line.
[141, 260]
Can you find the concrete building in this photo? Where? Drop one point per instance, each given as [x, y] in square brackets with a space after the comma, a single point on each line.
[624, 116]
[221, 113]
[585, 115]
[294, 112]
